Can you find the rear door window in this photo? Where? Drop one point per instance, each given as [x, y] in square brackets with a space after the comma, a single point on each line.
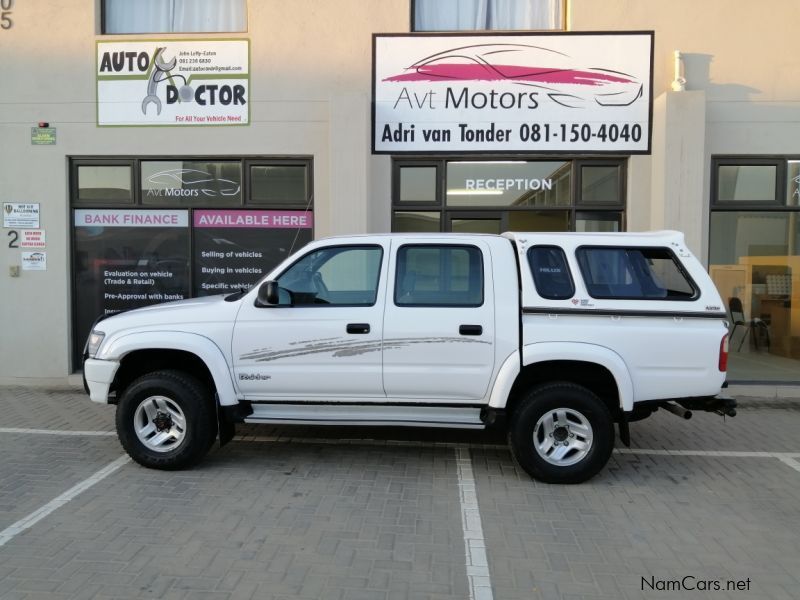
[550, 271]
[438, 275]
[634, 274]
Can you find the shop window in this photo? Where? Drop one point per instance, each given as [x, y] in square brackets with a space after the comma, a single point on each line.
[492, 196]
[550, 220]
[432, 275]
[634, 274]
[754, 260]
[746, 183]
[456, 15]
[418, 184]
[173, 16]
[598, 222]
[600, 184]
[105, 184]
[149, 230]
[508, 183]
[191, 183]
[407, 221]
[279, 184]
[793, 183]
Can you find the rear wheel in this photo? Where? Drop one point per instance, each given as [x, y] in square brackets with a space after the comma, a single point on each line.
[561, 433]
[165, 420]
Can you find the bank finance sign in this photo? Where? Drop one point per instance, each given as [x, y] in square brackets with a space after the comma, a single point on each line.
[173, 82]
[542, 92]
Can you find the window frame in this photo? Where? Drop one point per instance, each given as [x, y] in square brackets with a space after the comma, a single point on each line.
[413, 13]
[695, 288]
[777, 203]
[74, 182]
[249, 163]
[103, 31]
[438, 245]
[619, 209]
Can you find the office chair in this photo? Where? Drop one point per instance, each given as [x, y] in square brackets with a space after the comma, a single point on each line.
[737, 316]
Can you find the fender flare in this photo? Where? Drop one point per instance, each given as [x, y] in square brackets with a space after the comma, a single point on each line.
[201, 346]
[575, 351]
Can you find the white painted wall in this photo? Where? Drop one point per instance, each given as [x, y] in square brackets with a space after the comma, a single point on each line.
[310, 77]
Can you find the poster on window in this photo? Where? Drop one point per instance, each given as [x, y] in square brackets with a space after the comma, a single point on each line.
[233, 249]
[125, 259]
[533, 93]
[173, 82]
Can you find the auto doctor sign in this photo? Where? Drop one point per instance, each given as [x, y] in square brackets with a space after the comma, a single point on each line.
[541, 92]
[173, 82]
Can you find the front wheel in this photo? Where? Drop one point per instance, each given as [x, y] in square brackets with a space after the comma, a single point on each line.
[561, 433]
[165, 420]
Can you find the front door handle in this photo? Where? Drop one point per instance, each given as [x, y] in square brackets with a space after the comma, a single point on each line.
[470, 330]
[358, 328]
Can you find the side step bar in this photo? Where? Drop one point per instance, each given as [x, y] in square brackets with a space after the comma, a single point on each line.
[456, 417]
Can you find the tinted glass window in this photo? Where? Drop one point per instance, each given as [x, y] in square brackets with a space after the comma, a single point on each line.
[279, 184]
[107, 184]
[344, 276]
[430, 275]
[551, 273]
[191, 183]
[634, 273]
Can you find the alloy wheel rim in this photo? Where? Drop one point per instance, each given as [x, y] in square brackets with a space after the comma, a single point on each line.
[563, 437]
[159, 424]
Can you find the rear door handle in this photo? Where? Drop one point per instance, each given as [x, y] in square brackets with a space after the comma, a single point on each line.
[470, 330]
[358, 328]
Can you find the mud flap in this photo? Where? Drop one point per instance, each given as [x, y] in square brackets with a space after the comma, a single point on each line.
[225, 427]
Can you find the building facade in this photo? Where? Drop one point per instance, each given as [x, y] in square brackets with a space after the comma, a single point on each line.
[196, 184]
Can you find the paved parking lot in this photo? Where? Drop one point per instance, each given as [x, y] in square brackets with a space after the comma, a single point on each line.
[296, 513]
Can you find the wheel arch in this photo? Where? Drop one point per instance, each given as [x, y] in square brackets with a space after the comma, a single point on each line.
[597, 368]
[192, 353]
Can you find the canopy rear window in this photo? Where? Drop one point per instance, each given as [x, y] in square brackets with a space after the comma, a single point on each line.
[634, 274]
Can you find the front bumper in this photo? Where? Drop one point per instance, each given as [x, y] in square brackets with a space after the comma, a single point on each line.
[98, 376]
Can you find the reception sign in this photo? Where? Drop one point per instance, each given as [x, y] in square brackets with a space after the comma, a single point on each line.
[173, 82]
[539, 92]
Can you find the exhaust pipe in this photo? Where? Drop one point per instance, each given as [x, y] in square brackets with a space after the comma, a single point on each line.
[677, 410]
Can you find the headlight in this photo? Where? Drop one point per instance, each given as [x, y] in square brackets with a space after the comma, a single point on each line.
[93, 345]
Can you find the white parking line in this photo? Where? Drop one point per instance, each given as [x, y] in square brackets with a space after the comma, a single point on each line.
[480, 583]
[29, 521]
[55, 432]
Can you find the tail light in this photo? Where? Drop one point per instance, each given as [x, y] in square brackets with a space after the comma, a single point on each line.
[723, 353]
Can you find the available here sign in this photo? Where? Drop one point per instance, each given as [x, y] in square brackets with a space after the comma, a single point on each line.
[173, 82]
[540, 92]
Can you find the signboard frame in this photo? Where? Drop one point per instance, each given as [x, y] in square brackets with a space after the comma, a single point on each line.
[481, 37]
[167, 41]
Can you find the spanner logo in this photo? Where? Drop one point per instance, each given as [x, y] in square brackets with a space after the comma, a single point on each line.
[162, 71]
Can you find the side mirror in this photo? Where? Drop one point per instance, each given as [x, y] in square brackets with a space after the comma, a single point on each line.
[268, 294]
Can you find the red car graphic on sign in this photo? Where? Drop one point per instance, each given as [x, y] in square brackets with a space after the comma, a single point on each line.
[551, 71]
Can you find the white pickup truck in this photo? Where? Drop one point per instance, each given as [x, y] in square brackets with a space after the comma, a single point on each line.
[554, 336]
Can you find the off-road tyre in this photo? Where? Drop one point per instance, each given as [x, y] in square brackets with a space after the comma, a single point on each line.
[581, 408]
[193, 401]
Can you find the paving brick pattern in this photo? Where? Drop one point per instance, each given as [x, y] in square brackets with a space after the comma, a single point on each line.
[60, 408]
[269, 521]
[280, 520]
[35, 469]
[644, 516]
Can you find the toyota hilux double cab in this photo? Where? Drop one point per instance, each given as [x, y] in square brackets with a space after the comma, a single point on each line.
[556, 337]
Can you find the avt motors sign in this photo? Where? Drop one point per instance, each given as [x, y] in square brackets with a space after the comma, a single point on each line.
[173, 82]
[553, 92]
